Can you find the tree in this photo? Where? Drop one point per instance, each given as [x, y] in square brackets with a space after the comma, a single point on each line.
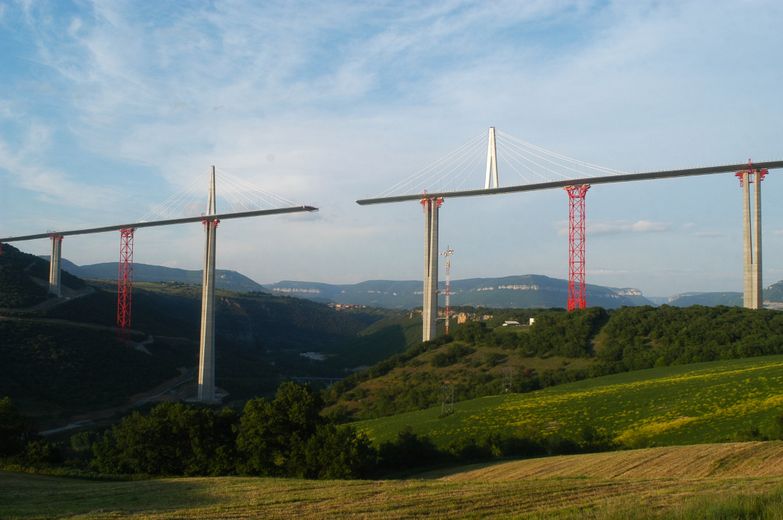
[337, 453]
[15, 429]
[173, 439]
[409, 450]
[272, 435]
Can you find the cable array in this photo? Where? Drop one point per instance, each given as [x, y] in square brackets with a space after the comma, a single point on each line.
[242, 195]
[535, 164]
[181, 204]
[234, 195]
[465, 167]
[448, 173]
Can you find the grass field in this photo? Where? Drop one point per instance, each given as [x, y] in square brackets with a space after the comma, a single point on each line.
[743, 480]
[699, 403]
[749, 460]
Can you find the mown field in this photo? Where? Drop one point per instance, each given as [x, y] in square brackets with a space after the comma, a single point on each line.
[750, 460]
[743, 480]
[705, 402]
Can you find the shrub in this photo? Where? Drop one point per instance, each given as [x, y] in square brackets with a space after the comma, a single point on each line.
[408, 450]
[15, 429]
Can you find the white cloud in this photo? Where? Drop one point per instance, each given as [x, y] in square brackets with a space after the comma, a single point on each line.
[607, 272]
[6, 109]
[710, 234]
[74, 26]
[616, 227]
[26, 168]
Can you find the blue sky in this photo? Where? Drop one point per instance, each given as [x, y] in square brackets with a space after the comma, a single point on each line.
[109, 108]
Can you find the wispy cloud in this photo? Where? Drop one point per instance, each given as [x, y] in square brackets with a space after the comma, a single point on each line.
[607, 272]
[639, 226]
[23, 162]
[617, 227]
[709, 234]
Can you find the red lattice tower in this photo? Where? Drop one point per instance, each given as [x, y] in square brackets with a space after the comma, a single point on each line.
[125, 279]
[576, 246]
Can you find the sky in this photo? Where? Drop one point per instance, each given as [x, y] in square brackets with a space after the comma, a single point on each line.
[107, 109]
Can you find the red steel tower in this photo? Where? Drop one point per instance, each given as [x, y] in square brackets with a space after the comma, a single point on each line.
[576, 246]
[125, 278]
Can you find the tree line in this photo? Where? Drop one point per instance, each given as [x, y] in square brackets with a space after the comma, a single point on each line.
[283, 437]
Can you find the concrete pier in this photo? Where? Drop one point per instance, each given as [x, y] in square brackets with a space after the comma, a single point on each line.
[54, 265]
[753, 286]
[206, 363]
[747, 248]
[429, 311]
[758, 288]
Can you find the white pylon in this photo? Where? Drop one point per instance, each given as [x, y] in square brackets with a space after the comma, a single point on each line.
[491, 180]
[206, 363]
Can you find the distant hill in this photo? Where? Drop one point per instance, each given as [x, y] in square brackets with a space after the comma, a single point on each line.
[710, 299]
[772, 295]
[525, 291]
[224, 279]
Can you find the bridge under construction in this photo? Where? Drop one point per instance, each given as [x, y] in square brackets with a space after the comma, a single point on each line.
[534, 164]
[535, 160]
[210, 220]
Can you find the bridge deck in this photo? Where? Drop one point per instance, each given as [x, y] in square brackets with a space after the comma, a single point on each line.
[168, 222]
[667, 174]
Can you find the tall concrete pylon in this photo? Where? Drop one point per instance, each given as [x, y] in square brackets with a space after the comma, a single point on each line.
[747, 247]
[55, 261]
[429, 310]
[491, 179]
[752, 294]
[758, 288]
[206, 363]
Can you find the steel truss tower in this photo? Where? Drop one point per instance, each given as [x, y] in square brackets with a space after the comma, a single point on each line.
[576, 246]
[125, 279]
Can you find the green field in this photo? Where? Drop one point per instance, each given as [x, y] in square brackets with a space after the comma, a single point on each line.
[741, 480]
[699, 403]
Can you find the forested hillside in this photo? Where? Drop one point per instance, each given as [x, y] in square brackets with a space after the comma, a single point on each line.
[65, 356]
[224, 279]
[54, 370]
[24, 279]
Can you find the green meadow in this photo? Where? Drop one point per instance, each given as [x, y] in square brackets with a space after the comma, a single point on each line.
[699, 403]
